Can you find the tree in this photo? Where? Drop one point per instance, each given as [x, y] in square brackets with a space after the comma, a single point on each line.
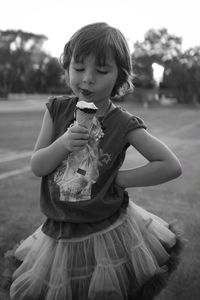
[159, 43]
[16, 54]
[54, 77]
[182, 76]
[158, 46]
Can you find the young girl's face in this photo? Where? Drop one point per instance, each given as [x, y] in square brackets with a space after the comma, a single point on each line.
[91, 82]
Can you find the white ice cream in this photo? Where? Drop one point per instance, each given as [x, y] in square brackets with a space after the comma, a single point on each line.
[84, 104]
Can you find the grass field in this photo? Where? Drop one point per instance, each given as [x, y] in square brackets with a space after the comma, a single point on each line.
[178, 127]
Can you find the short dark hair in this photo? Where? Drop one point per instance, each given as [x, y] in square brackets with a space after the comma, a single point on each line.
[100, 39]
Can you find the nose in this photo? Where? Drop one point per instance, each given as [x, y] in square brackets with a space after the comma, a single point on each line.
[89, 77]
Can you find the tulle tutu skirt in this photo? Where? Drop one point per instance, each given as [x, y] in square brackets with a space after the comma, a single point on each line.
[127, 260]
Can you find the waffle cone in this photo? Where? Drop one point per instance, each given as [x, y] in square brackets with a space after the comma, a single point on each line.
[84, 119]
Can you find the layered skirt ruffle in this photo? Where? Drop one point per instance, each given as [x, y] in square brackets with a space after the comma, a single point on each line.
[131, 259]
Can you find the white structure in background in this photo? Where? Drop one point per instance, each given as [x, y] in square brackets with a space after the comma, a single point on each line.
[158, 72]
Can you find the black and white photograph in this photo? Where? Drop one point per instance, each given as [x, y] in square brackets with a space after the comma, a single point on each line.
[99, 150]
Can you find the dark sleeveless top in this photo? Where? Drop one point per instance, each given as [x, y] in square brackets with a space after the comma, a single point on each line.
[67, 219]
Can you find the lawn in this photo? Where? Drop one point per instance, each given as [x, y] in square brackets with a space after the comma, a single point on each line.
[178, 127]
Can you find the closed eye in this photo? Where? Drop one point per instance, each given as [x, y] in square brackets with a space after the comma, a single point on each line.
[102, 72]
[79, 69]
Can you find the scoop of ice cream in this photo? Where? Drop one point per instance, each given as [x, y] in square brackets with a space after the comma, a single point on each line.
[85, 112]
[88, 107]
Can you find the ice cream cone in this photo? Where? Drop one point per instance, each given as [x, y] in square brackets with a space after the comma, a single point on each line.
[85, 113]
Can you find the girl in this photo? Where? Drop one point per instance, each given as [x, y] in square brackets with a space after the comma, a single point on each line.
[104, 245]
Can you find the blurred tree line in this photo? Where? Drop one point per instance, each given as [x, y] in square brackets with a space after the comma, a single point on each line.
[181, 78]
[26, 68]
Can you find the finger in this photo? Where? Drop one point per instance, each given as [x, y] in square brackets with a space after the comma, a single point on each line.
[79, 129]
[79, 143]
[80, 136]
[78, 148]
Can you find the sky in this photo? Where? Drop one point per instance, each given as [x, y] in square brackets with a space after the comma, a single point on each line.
[59, 19]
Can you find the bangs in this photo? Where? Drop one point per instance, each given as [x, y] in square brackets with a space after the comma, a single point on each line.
[99, 47]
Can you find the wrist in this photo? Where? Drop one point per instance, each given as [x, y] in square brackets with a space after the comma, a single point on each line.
[64, 143]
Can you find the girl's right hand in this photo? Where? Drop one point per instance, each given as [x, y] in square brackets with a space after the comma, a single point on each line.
[75, 138]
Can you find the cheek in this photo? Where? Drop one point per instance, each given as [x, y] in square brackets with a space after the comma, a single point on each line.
[72, 79]
[114, 77]
[110, 82]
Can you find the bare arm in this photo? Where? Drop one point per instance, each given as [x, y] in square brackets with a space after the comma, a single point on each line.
[47, 155]
[163, 165]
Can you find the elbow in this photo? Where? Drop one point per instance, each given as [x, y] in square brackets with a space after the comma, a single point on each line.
[36, 169]
[175, 170]
[36, 173]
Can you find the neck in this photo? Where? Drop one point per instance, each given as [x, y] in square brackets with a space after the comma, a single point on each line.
[104, 109]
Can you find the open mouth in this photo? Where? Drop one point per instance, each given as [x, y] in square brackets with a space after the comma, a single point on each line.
[86, 92]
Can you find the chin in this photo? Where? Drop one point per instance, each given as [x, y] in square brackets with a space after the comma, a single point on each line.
[86, 99]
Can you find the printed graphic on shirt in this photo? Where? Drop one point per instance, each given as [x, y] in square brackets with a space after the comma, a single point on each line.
[104, 158]
[76, 175]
